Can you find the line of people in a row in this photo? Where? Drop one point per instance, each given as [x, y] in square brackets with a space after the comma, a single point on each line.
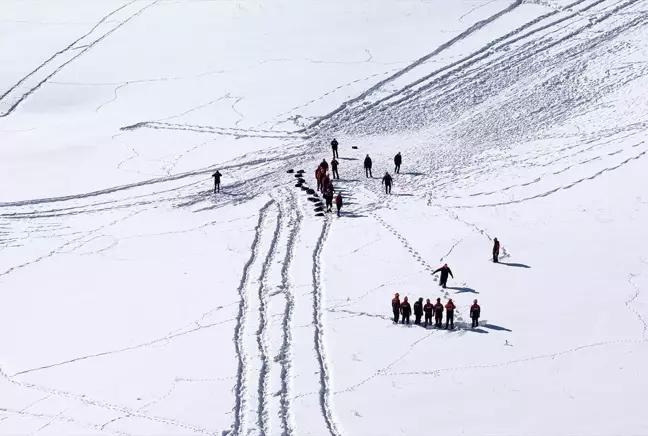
[404, 309]
[325, 186]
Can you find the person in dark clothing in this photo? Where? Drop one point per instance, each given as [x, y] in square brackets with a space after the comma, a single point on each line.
[334, 166]
[428, 309]
[328, 196]
[450, 308]
[325, 182]
[438, 313]
[396, 307]
[496, 248]
[397, 162]
[406, 311]
[475, 312]
[318, 176]
[324, 165]
[367, 166]
[418, 311]
[338, 203]
[445, 270]
[334, 146]
[217, 176]
[387, 181]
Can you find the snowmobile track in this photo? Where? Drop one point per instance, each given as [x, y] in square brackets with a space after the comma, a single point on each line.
[325, 378]
[240, 389]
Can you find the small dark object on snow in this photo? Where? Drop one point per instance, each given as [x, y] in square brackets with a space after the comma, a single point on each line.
[290, 171]
[313, 199]
[319, 209]
[298, 185]
[355, 147]
[301, 180]
[310, 191]
[319, 214]
[304, 188]
[298, 175]
[300, 171]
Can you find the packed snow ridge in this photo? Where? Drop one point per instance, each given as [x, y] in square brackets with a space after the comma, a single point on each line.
[170, 266]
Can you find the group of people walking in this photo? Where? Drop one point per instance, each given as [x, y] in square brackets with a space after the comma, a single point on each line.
[387, 179]
[404, 310]
[325, 185]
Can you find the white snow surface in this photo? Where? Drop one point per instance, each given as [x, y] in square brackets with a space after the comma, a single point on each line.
[134, 301]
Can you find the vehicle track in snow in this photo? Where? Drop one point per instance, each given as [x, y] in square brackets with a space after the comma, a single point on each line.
[318, 321]
[240, 389]
[285, 356]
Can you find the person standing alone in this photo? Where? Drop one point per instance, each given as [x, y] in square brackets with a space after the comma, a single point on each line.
[387, 181]
[445, 270]
[367, 166]
[217, 176]
[338, 203]
[496, 249]
[334, 146]
[334, 168]
[398, 159]
[475, 312]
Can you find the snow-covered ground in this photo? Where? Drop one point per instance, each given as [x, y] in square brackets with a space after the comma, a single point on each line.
[135, 301]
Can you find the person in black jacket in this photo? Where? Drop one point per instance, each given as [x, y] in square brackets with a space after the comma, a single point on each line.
[496, 249]
[367, 166]
[445, 270]
[387, 181]
[406, 311]
[475, 312]
[428, 309]
[217, 176]
[334, 166]
[396, 307]
[450, 308]
[334, 146]
[398, 159]
[324, 165]
[418, 311]
[438, 313]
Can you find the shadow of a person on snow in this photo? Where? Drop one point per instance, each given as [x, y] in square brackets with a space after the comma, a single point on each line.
[495, 327]
[461, 290]
[516, 265]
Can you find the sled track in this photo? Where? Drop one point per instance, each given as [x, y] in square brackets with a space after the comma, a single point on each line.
[325, 380]
[262, 332]
[644, 333]
[240, 389]
[286, 352]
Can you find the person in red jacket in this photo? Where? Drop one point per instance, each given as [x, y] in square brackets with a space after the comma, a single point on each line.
[496, 248]
[406, 311]
[396, 307]
[325, 181]
[450, 308]
[428, 309]
[438, 313]
[318, 176]
[338, 203]
[475, 312]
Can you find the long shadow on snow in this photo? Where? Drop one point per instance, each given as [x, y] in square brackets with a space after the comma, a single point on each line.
[351, 215]
[516, 265]
[462, 290]
[348, 158]
[496, 327]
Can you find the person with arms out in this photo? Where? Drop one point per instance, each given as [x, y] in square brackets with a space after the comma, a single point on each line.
[398, 159]
[496, 249]
[396, 307]
[475, 312]
[418, 311]
[338, 203]
[406, 311]
[367, 166]
[217, 176]
[428, 309]
[334, 168]
[450, 308]
[445, 270]
[438, 313]
[387, 181]
[334, 146]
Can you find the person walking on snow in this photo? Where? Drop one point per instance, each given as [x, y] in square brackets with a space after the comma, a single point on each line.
[418, 311]
[338, 203]
[396, 307]
[496, 248]
[445, 270]
[438, 313]
[319, 173]
[450, 308]
[475, 312]
[326, 180]
[217, 176]
[324, 165]
[397, 162]
[428, 309]
[367, 167]
[387, 181]
[334, 166]
[406, 311]
[334, 146]
[328, 196]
